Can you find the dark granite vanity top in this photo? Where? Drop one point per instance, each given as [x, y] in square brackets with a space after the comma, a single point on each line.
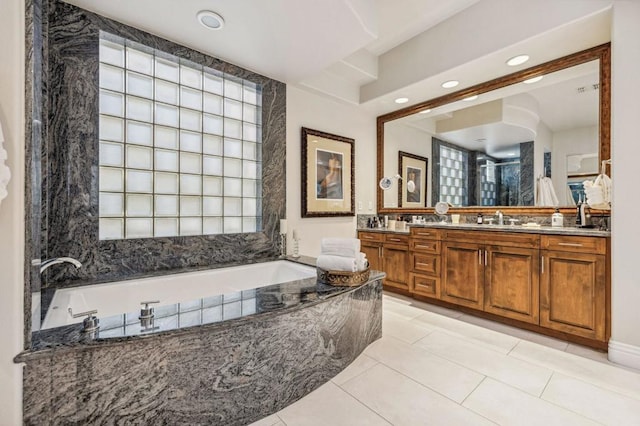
[587, 232]
[221, 311]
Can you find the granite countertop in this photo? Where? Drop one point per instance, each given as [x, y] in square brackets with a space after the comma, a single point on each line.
[220, 311]
[587, 232]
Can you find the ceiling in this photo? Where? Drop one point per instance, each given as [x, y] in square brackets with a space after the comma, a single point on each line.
[367, 52]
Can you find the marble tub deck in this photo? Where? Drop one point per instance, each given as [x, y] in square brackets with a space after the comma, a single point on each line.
[229, 373]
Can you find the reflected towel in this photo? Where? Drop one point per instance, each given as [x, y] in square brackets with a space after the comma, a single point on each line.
[346, 247]
[330, 262]
[546, 193]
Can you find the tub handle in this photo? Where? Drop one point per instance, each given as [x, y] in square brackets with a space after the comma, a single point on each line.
[147, 312]
[91, 322]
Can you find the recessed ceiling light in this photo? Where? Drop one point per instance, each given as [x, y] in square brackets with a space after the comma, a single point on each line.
[426, 111]
[471, 98]
[449, 84]
[210, 20]
[511, 154]
[517, 60]
[402, 100]
[533, 80]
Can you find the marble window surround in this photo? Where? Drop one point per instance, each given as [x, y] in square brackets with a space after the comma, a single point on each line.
[62, 154]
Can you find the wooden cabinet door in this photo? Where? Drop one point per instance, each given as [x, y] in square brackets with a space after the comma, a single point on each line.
[573, 293]
[512, 282]
[372, 250]
[396, 264]
[463, 274]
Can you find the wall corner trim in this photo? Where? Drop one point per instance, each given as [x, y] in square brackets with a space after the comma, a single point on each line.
[624, 354]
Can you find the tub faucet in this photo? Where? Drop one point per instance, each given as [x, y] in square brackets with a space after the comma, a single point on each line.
[500, 217]
[44, 264]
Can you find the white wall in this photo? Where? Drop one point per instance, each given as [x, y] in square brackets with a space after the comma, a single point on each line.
[12, 210]
[306, 109]
[624, 346]
[399, 137]
[583, 140]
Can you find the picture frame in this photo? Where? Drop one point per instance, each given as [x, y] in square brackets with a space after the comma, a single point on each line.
[412, 168]
[327, 178]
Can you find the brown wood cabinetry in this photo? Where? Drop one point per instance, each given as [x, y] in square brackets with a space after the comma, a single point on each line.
[424, 255]
[389, 253]
[574, 286]
[556, 284]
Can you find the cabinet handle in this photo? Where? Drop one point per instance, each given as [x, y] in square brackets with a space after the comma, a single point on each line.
[542, 265]
[570, 244]
[381, 251]
[422, 246]
[423, 233]
[479, 257]
[397, 240]
[485, 258]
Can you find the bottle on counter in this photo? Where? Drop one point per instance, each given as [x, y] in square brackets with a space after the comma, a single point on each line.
[557, 219]
[479, 220]
[579, 212]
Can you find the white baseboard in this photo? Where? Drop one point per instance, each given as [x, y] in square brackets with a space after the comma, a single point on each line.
[624, 354]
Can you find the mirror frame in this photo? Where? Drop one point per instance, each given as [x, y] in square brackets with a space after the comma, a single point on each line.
[601, 53]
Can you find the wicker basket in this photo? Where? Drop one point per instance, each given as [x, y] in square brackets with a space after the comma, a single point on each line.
[343, 278]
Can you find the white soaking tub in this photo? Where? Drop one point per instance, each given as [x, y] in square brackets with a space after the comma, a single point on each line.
[125, 296]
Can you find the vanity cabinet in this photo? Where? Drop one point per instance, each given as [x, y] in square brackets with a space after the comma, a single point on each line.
[573, 286]
[388, 252]
[424, 255]
[501, 278]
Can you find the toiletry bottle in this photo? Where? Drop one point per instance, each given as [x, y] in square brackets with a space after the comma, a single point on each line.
[579, 212]
[557, 220]
[479, 219]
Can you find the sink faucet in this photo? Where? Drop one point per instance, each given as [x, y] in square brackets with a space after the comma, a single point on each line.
[500, 217]
[44, 264]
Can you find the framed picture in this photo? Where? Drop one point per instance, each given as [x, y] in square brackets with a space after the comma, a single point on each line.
[413, 171]
[327, 174]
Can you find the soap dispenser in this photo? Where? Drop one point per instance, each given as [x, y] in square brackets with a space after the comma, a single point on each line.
[557, 220]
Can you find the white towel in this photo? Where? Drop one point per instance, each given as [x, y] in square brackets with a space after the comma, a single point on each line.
[598, 192]
[546, 193]
[346, 247]
[330, 262]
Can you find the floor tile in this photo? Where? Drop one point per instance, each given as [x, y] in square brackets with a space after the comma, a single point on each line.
[528, 377]
[357, 367]
[506, 405]
[515, 332]
[403, 329]
[422, 305]
[400, 308]
[592, 401]
[605, 375]
[405, 402]
[329, 405]
[479, 335]
[272, 420]
[445, 377]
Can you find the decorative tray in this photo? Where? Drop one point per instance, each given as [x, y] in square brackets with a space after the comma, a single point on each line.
[343, 278]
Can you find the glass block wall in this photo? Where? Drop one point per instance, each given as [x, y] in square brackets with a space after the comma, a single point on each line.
[453, 165]
[488, 190]
[180, 146]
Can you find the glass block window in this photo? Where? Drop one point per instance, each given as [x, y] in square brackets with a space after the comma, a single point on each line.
[180, 146]
[453, 172]
[488, 190]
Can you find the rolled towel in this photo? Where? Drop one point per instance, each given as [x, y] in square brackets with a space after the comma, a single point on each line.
[346, 247]
[330, 262]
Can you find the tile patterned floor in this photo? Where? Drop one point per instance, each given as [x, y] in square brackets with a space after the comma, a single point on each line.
[437, 366]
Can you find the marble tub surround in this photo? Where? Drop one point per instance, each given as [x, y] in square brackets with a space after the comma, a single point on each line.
[69, 203]
[232, 372]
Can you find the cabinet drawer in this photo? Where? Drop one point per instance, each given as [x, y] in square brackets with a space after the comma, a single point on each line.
[425, 263]
[426, 246]
[498, 238]
[396, 239]
[371, 236]
[574, 244]
[424, 285]
[419, 232]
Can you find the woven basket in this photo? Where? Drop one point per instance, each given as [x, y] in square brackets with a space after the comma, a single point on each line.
[343, 278]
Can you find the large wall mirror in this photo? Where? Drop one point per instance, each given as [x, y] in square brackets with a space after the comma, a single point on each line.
[489, 145]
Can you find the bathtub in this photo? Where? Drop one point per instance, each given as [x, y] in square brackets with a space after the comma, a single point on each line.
[125, 296]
